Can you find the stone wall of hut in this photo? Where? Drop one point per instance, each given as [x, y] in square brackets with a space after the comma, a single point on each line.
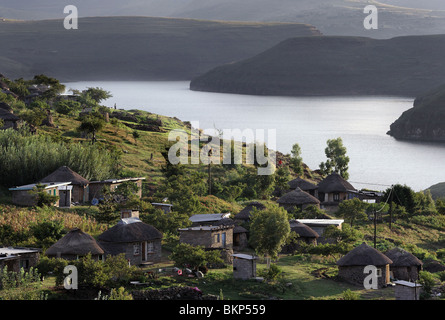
[355, 275]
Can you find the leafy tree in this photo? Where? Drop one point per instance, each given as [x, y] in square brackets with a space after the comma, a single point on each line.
[91, 124]
[47, 232]
[282, 177]
[43, 198]
[186, 255]
[296, 161]
[67, 107]
[269, 230]
[337, 159]
[352, 210]
[166, 223]
[402, 195]
[34, 116]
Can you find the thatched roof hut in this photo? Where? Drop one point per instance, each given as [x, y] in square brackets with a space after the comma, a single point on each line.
[351, 266]
[75, 243]
[404, 266]
[302, 230]
[65, 174]
[130, 230]
[297, 198]
[245, 213]
[303, 184]
[364, 255]
[140, 242]
[334, 183]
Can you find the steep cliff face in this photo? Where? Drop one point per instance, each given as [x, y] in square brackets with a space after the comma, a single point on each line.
[425, 121]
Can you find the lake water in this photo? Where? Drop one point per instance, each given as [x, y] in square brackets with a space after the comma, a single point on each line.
[376, 159]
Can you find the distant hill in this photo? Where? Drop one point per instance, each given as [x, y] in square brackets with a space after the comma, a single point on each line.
[437, 190]
[133, 48]
[332, 17]
[402, 66]
[425, 121]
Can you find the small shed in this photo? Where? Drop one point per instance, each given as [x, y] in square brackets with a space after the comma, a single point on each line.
[351, 266]
[140, 242]
[404, 266]
[75, 244]
[244, 214]
[297, 199]
[405, 290]
[244, 266]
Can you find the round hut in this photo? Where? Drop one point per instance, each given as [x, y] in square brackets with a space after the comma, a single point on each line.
[304, 185]
[80, 184]
[140, 242]
[244, 214]
[404, 266]
[297, 199]
[75, 244]
[351, 266]
[305, 235]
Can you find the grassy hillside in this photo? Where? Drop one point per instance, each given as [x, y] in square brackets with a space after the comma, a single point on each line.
[406, 66]
[425, 121]
[133, 48]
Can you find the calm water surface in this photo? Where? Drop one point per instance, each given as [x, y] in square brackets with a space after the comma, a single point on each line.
[377, 160]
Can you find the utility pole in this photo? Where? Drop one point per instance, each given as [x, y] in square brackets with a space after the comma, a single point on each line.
[391, 193]
[375, 229]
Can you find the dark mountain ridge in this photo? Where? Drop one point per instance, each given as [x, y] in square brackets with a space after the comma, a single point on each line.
[304, 66]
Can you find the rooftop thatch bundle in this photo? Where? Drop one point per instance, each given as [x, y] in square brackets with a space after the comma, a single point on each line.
[65, 174]
[302, 184]
[364, 255]
[75, 242]
[302, 230]
[334, 183]
[402, 258]
[130, 230]
[246, 212]
[297, 197]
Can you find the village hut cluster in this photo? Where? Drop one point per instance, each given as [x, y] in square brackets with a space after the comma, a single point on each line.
[224, 232]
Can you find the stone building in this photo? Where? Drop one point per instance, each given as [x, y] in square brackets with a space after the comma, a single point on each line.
[80, 185]
[332, 190]
[244, 266]
[96, 188]
[404, 266]
[211, 238]
[23, 195]
[140, 242]
[351, 266]
[16, 258]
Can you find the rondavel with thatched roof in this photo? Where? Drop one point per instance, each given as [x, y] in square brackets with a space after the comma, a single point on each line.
[244, 214]
[297, 199]
[304, 233]
[79, 192]
[304, 185]
[140, 242]
[351, 266]
[404, 266]
[332, 190]
[75, 244]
